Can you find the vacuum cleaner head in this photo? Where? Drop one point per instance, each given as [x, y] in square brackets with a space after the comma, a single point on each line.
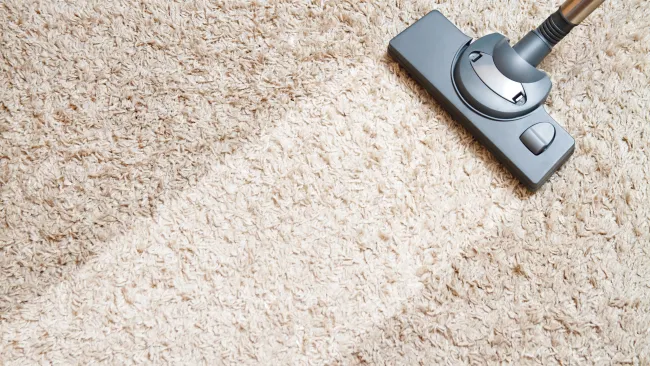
[494, 90]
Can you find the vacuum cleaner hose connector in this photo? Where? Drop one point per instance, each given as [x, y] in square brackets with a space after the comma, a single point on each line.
[555, 28]
[538, 44]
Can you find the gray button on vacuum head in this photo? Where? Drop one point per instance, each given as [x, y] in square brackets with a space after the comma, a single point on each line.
[538, 137]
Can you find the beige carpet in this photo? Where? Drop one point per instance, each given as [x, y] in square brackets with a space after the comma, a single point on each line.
[232, 182]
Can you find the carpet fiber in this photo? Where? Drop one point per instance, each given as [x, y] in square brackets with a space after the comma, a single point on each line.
[258, 182]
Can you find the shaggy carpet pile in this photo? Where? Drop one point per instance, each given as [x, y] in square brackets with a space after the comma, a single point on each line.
[257, 182]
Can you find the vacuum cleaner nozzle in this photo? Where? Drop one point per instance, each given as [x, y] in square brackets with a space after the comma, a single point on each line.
[493, 89]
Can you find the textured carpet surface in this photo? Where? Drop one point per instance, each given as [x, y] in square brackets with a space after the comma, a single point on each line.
[258, 183]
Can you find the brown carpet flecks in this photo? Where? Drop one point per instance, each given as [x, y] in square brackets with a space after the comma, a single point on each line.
[238, 182]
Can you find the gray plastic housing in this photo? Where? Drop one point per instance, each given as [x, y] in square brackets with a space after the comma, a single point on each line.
[428, 50]
[505, 64]
[533, 48]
